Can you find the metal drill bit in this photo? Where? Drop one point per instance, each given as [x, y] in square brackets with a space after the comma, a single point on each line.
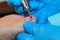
[26, 7]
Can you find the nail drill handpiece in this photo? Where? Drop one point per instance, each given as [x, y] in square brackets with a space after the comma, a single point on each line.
[26, 7]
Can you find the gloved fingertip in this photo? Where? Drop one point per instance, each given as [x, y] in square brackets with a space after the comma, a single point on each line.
[29, 23]
[33, 5]
[28, 26]
[24, 36]
[17, 2]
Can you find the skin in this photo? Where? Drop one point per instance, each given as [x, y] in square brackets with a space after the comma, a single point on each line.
[10, 25]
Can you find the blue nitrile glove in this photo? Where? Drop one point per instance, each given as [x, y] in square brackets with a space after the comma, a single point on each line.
[40, 9]
[39, 32]
[50, 8]
[45, 31]
[34, 5]
[35, 8]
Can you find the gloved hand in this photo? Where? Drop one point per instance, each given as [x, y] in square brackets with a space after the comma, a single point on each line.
[40, 9]
[18, 5]
[39, 32]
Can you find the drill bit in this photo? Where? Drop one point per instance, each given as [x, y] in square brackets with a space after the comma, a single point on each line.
[26, 7]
